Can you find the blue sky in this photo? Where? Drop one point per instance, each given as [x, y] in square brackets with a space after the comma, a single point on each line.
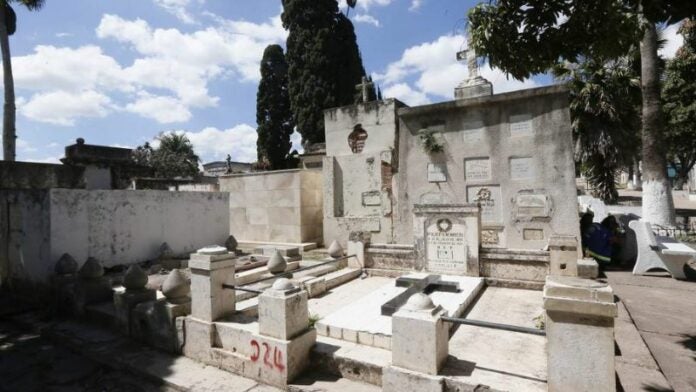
[119, 72]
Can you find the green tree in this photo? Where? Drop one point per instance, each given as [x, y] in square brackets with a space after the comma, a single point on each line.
[527, 37]
[174, 157]
[324, 63]
[8, 26]
[604, 102]
[679, 97]
[350, 70]
[273, 114]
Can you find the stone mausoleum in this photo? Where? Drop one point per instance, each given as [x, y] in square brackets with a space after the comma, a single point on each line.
[508, 155]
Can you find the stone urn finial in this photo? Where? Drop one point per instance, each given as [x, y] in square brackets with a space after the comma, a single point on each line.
[335, 250]
[91, 269]
[231, 243]
[165, 251]
[66, 265]
[135, 278]
[176, 288]
[277, 263]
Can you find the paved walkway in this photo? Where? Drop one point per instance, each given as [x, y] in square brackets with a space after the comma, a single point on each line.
[664, 312]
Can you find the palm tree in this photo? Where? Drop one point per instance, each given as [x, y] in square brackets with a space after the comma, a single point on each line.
[8, 25]
[175, 156]
[604, 102]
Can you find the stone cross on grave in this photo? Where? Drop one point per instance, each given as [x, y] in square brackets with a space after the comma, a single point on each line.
[415, 285]
[469, 55]
[364, 88]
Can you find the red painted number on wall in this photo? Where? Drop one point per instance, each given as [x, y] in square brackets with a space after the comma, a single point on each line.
[274, 362]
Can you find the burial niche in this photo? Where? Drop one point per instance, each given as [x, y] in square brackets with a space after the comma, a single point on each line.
[356, 139]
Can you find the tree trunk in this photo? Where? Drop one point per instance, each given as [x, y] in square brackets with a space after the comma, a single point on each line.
[9, 134]
[658, 205]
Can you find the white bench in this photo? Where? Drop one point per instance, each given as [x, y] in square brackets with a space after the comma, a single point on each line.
[661, 252]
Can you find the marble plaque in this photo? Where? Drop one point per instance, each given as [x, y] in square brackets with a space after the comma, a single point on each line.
[521, 125]
[472, 132]
[372, 198]
[437, 172]
[489, 198]
[532, 206]
[533, 234]
[522, 168]
[477, 169]
[445, 245]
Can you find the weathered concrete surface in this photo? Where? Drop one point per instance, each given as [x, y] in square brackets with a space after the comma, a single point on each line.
[662, 309]
[277, 206]
[499, 359]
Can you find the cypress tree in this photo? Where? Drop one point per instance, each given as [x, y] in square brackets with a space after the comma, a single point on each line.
[273, 114]
[324, 62]
[311, 81]
[349, 66]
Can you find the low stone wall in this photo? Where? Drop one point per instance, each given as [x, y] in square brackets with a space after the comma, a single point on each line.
[520, 268]
[275, 206]
[28, 175]
[115, 227]
[509, 267]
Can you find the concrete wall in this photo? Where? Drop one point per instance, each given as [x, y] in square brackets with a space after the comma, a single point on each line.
[480, 128]
[116, 227]
[24, 234]
[359, 187]
[28, 175]
[275, 206]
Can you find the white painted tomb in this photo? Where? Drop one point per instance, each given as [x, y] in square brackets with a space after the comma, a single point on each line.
[361, 321]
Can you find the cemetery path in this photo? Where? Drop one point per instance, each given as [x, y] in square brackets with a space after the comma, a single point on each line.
[662, 310]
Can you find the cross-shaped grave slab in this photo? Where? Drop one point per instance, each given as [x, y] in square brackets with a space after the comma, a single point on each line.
[425, 285]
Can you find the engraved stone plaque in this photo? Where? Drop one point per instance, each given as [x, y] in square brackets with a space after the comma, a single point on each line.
[472, 132]
[477, 169]
[533, 234]
[437, 172]
[372, 198]
[445, 244]
[522, 168]
[490, 237]
[521, 125]
[532, 206]
[489, 198]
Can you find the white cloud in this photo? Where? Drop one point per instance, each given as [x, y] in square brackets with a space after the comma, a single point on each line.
[172, 70]
[24, 146]
[415, 5]
[434, 71]
[178, 9]
[366, 18]
[214, 144]
[53, 159]
[68, 69]
[63, 107]
[163, 109]
[673, 39]
[366, 4]
[63, 35]
[406, 94]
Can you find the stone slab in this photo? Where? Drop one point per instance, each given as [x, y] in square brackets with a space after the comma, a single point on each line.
[285, 250]
[364, 315]
[502, 360]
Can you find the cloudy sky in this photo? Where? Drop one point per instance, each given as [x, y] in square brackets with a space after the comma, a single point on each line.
[119, 72]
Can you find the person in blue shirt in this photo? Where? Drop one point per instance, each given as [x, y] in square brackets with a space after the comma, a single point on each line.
[600, 240]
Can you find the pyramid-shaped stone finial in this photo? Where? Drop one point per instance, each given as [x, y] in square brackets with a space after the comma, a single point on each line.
[165, 251]
[91, 269]
[231, 243]
[176, 288]
[277, 263]
[335, 250]
[135, 278]
[66, 265]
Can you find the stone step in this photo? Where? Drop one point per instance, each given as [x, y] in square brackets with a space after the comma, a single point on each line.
[341, 276]
[251, 245]
[350, 360]
[318, 382]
